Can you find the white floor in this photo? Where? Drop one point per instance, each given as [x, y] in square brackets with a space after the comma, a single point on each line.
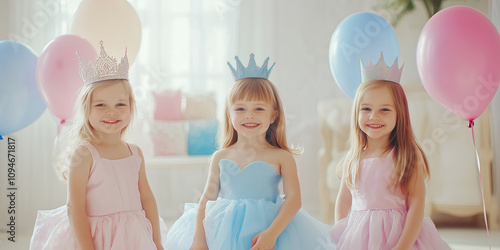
[458, 238]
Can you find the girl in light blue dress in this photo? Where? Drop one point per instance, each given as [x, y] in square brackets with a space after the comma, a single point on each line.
[241, 207]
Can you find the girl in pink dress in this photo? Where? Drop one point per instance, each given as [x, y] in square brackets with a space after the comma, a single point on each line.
[381, 200]
[110, 204]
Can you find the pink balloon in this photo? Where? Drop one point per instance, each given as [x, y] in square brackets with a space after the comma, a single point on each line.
[458, 60]
[57, 73]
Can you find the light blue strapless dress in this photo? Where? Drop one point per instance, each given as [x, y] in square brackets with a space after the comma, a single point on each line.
[248, 203]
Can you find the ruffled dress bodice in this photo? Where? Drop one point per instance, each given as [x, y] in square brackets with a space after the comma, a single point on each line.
[258, 180]
[372, 190]
[113, 184]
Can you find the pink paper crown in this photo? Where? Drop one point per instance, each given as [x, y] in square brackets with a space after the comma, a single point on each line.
[381, 71]
[105, 68]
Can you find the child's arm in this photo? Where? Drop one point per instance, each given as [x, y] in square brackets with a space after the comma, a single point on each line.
[78, 176]
[210, 193]
[415, 216]
[149, 203]
[267, 238]
[343, 202]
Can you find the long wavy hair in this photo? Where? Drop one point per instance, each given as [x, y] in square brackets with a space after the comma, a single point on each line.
[79, 130]
[407, 151]
[255, 89]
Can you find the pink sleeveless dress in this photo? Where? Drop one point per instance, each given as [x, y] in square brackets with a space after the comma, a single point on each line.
[114, 210]
[378, 213]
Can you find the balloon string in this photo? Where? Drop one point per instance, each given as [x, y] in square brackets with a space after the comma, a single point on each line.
[471, 125]
[60, 125]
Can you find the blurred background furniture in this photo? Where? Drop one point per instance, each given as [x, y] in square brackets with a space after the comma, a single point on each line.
[176, 180]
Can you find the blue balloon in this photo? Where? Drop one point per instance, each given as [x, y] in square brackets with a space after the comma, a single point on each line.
[360, 36]
[20, 100]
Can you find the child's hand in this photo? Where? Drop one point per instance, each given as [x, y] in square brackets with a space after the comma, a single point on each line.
[199, 245]
[263, 241]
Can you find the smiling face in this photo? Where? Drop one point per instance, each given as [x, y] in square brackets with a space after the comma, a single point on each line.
[252, 118]
[377, 113]
[110, 110]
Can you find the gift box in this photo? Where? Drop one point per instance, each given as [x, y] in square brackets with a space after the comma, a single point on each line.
[200, 107]
[168, 138]
[168, 105]
[202, 137]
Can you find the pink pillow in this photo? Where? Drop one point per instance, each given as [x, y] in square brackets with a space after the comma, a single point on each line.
[168, 105]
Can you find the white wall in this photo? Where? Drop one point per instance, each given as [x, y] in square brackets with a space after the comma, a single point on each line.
[4, 19]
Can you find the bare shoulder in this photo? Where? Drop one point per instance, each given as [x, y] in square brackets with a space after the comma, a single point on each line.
[219, 155]
[139, 151]
[81, 153]
[420, 163]
[283, 153]
[283, 157]
[420, 169]
[81, 159]
[419, 174]
[132, 145]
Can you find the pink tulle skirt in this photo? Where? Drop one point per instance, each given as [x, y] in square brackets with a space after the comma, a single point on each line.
[117, 231]
[381, 229]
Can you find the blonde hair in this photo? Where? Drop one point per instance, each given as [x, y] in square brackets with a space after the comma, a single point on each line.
[255, 89]
[407, 152]
[79, 130]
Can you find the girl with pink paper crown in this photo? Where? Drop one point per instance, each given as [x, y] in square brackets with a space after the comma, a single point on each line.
[246, 173]
[381, 200]
[110, 204]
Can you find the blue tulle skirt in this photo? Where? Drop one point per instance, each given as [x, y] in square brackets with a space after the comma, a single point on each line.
[231, 224]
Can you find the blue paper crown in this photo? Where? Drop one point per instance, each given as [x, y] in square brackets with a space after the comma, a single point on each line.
[252, 71]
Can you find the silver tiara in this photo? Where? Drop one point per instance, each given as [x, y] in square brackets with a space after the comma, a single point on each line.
[106, 68]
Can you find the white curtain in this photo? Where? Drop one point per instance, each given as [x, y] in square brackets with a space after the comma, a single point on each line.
[185, 45]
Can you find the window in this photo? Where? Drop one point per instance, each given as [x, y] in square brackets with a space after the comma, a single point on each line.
[185, 45]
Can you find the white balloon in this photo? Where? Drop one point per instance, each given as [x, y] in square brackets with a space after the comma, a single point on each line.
[115, 22]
